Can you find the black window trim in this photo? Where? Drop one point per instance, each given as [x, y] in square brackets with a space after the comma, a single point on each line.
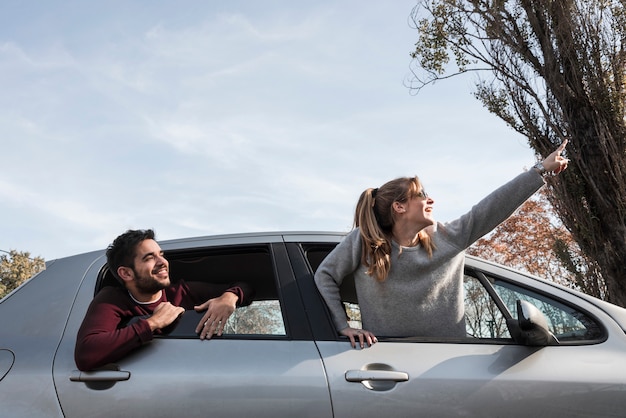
[296, 324]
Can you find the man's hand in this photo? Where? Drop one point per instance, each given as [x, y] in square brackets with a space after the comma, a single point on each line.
[164, 315]
[218, 310]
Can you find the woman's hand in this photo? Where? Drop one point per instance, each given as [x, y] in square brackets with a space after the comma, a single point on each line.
[365, 337]
[555, 163]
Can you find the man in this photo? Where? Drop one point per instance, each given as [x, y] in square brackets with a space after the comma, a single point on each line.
[119, 320]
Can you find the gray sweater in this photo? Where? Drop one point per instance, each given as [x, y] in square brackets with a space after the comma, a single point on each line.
[421, 296]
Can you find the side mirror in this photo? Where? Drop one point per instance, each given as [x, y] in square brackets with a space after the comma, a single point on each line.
[531, 327]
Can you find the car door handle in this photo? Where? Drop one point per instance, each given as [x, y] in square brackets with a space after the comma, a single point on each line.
[376, 376]
[100, 376]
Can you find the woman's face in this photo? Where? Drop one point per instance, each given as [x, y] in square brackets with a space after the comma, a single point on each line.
[418, 210]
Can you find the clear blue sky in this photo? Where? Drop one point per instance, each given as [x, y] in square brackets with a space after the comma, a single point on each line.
[198, 118]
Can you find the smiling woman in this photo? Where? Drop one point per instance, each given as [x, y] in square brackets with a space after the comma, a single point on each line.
[408, 266]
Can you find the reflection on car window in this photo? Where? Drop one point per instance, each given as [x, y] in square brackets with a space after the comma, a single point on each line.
[354, 314]
[483, 319]
[262, 317]
[565, 322]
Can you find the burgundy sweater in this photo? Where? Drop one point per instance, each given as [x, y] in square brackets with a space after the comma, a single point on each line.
[107, 333]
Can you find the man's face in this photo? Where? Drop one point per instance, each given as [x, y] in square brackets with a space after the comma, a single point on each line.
[151, 270]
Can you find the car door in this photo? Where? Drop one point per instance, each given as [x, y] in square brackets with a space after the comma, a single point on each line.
[487, 373]
[266, 364]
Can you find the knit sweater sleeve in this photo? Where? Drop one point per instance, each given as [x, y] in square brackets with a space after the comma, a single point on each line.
[492, 210]
[103, 338]
[200, 292]
[341, 262]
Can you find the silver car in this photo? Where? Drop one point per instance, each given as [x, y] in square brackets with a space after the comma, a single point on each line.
[533, 348]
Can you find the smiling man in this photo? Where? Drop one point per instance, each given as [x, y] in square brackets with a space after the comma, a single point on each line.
[121, 319]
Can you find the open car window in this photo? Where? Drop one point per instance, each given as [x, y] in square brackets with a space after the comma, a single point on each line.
[486, 322]
[251, 264]
[485, 319]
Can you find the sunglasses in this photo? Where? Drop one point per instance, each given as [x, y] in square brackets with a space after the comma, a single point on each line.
[422, 194]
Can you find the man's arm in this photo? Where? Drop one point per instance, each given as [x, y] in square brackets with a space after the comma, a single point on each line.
[244, 292]
[114, 326]
[221, 302]
[218, 310]
[101, 339]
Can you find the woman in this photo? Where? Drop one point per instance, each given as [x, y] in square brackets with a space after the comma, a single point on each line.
[408, 269]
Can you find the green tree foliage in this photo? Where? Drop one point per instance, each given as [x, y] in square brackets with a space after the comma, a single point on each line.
[15, 268]
[552, 70]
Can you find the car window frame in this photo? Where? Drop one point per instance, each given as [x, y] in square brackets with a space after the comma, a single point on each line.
[554, 300]
[280, 271]
[484, 279]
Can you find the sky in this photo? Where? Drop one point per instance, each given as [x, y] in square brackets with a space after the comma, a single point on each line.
[212, 117]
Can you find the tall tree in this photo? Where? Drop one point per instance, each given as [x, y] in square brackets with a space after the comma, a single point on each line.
[552, 70]
[15, 268]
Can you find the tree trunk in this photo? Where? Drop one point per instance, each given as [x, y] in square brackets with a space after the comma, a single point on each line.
[590, 197]
[586, 105]
[559, 71]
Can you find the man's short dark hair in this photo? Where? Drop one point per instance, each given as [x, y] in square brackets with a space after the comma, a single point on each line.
[124, 248]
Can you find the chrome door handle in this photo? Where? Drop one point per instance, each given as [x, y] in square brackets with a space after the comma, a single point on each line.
[100, 376]
[376, 376]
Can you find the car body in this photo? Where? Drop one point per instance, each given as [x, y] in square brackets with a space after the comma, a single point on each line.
[282, 357]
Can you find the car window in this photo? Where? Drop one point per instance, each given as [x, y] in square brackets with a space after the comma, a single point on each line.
[568, 324]
[486, 321]
[483, 318]
[264, 317]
